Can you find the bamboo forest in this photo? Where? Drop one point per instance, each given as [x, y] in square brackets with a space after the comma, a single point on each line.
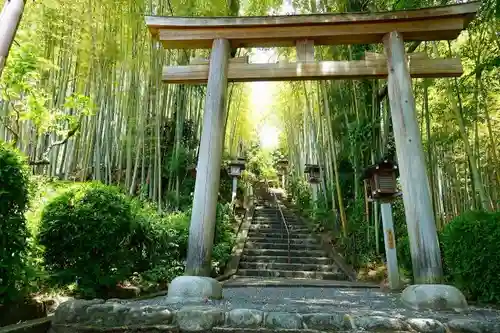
[102, 174]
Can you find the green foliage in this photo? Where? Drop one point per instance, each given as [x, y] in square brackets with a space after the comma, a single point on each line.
[96, 236]
[261, 163]
[13, 231]
[470, 252]
[223, 239]
[300, 192]
[404, 253]
[159, 243]
[356, 245]
[87, 233]
[21, 87]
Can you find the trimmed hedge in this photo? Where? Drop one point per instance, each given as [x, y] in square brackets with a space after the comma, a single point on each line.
[87, 233]
[97, 236]
[471, 253]
[13, 231]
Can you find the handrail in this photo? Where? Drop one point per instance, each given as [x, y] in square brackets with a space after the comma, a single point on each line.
[282, 220]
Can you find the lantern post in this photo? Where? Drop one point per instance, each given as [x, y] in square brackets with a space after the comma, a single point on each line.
[380, 185]
[235, 169]
[282, 168]
[313, 173]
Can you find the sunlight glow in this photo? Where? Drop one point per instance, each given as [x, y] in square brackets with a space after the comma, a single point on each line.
[269, 137]
[262, 96]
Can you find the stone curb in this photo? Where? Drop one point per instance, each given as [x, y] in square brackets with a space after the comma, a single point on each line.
[98, 316]
[239, 243]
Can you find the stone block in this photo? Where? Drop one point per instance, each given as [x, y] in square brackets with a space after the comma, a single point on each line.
[283, 320]
[379, 323]
[106, 315]
[148, 315]
[463, 325]
[327, 321]
[425, 325]
[246, 318]
[74, 311]
[198, 318]
[433, 297]
[193, 288]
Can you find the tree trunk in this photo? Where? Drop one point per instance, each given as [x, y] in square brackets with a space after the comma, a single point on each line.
[9, 21]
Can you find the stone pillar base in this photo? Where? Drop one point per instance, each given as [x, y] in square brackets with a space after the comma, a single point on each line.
[434, 297]
[194, 288]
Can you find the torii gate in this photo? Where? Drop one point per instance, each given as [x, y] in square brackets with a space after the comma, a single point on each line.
[304, 31]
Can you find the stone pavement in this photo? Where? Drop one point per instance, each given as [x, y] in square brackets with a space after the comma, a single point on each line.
[271, 309]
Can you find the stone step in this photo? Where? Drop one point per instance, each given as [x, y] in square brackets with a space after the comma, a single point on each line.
[272, 212]
[273, 234]
[273, 252]
[279, 222]
[284, 259]
[281, 246]
[288, 267]
[277, 226]
[291, 274]
[282, 240]
[275, 217]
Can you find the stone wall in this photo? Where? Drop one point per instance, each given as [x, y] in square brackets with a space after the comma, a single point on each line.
[79, 316]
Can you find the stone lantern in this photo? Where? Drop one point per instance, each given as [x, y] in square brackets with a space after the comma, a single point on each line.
[235, 169]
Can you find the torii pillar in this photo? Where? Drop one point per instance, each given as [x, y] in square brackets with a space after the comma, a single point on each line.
[424, 244]
[196, 281]
[202, 227]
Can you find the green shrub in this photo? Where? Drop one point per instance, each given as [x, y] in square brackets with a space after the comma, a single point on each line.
[404, 254]
[87, 233]
[471, 249]
[13, 231]
[354, 245]
[300, 193]
[223, 239]
[99, 237]
[160, 243]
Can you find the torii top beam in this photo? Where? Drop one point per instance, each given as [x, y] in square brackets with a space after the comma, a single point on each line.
[437, 23]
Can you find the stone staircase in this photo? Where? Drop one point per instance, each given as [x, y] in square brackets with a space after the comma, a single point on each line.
[266, 249]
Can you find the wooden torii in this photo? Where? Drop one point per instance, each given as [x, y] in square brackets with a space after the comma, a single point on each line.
[221, 34]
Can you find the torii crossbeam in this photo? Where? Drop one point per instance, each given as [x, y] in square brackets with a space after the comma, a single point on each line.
[438, 23]
[304, 31]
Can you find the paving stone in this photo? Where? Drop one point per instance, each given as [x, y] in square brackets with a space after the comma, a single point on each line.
[283, 320]
[244, 318]
[199, 318]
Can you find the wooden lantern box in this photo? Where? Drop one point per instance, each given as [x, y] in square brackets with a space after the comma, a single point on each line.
[314, 173]
[282, 164]
[380, 180]
[236, 167]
